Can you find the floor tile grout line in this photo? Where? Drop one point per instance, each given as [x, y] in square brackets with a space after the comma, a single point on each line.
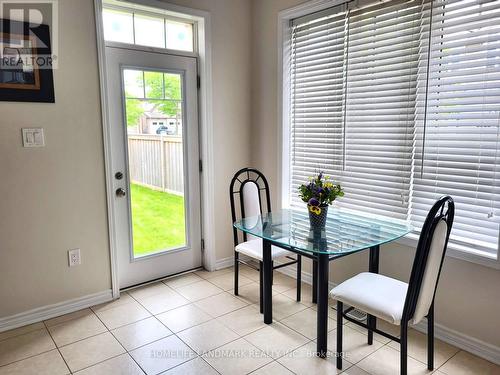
[57, 348]
[229, 342]
[115, 307]
[212, 316]
[376, 350]
[190, 360]
[31, 356]
[98, 363]
[239, 337]
[449, 359]
[156, 294]
[23, 334]
[69, 320]
[311, 341]
[186, 304]
[416, 359]
[236, 333]
[204, 360]
[148, 343]
[227, 290]
[390, 347]
[34, 355]
[267, 364]
[126, 351]
[91, 336]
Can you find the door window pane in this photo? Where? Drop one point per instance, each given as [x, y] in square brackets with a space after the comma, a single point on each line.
[118, 26]
[134, 83]
[155, 152]
[172, 86]
[149, 31]
[153, 82]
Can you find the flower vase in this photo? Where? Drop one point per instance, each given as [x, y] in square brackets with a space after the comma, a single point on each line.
[318, 221]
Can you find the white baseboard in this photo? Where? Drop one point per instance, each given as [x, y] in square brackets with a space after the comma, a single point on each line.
[224, 263]
[470, 344]
[229, 261]
[51, 311]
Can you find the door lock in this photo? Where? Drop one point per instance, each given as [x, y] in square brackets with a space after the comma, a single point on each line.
[120, 192]
[118, 175]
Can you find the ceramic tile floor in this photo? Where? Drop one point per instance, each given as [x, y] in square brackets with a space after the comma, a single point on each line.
[193, 324]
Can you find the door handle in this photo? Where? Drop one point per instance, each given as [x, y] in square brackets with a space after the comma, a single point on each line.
[120, 192]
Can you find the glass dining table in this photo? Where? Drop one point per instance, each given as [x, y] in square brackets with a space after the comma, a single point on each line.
[346, 232]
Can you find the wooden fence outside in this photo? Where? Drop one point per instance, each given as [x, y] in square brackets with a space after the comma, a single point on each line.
[156, 161]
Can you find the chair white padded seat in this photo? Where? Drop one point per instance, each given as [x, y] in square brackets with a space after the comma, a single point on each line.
[374, 294]
[253, 248]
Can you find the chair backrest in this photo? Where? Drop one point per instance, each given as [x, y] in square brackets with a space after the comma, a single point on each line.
[429, 259]
[248, 189]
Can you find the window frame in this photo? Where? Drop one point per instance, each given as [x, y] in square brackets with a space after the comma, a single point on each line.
[465, 253]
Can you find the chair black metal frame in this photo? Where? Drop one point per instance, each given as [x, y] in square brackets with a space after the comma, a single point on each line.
[436, 214]
[242, 177]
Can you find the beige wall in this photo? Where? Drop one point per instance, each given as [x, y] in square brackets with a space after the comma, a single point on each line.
[53, 198]
[468, 299]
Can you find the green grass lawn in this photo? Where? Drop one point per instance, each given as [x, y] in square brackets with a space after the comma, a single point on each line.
[158, 220]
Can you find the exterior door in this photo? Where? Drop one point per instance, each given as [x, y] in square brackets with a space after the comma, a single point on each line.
[153, 116]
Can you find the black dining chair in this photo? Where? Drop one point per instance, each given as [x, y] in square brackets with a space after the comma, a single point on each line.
[398, 302]
[249, 192]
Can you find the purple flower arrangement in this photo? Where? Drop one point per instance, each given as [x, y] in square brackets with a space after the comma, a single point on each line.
[319, 192]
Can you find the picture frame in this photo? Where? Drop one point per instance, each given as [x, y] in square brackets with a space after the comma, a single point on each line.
[26, 73]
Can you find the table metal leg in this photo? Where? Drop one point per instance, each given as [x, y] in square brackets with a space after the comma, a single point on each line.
[315, 281]
[267, 275]
[373, 267]
[322, 310]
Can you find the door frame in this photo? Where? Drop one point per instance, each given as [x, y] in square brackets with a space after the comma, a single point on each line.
[202, 20]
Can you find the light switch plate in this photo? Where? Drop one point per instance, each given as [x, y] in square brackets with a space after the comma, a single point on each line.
[33, 137]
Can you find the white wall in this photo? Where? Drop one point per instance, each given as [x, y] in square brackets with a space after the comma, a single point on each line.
[53, 199]
[468, 298]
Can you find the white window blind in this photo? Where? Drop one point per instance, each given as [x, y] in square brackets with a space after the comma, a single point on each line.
[458, 119]
[317, 93]
[400, 102]
[353, 89]
[382, 62]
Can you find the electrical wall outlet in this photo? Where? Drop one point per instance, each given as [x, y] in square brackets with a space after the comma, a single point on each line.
[74, 257]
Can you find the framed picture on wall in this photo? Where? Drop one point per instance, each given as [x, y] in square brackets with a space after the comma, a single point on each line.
[25, 63]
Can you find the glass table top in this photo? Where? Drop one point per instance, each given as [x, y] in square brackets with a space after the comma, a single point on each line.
[345, 232]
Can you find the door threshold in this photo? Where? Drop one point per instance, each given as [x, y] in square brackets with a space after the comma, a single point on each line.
[135, 286]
